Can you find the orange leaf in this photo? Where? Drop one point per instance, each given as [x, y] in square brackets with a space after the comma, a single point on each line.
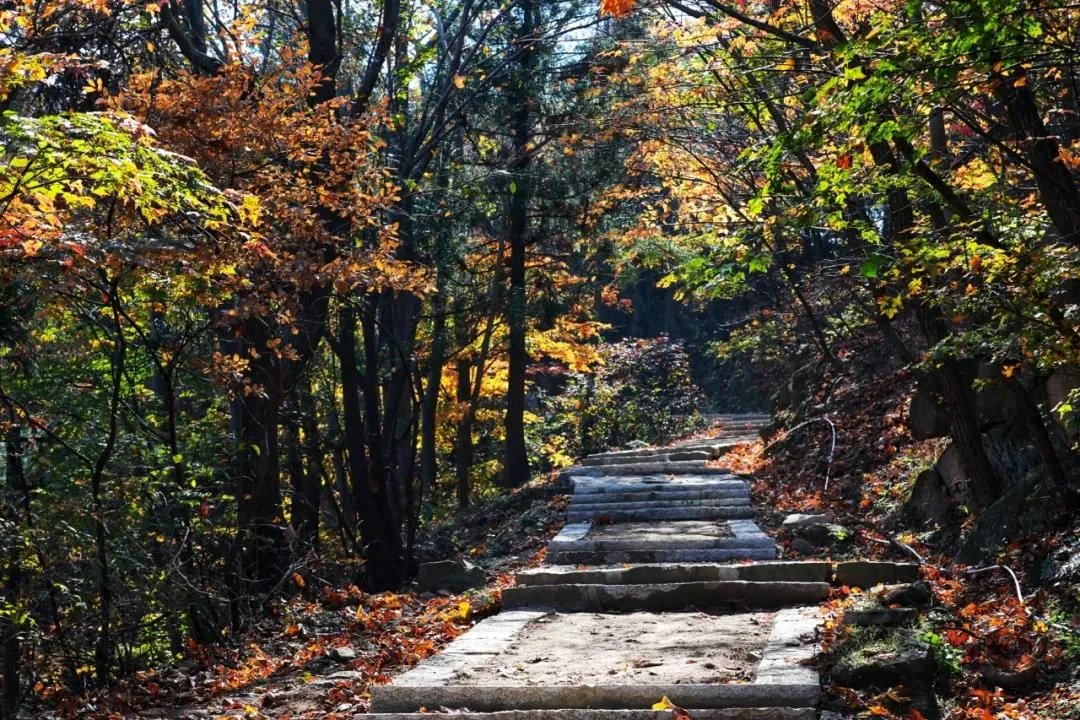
[616, 8]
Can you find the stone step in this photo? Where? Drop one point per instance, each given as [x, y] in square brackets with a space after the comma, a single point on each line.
[487, 698]
[668, 514]
[656, 484]
[615, 557]
[760, 713]
[591, 502]
[734, 490]
[662, 456]
[660, 543]
[646, 574]
[667, 597]
[683, 467]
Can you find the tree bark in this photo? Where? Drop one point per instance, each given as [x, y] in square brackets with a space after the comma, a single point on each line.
[516, 461]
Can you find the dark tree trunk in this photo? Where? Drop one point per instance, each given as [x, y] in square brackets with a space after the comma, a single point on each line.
[463, 442]
[1057, 190]
[16, 504]
[516, 462]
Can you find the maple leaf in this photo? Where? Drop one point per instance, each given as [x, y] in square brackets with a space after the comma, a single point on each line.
[616, 8]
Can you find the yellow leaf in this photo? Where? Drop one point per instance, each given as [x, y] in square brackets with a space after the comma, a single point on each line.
[459, 81]
[786, 66]
[464, 608]
[664, 704]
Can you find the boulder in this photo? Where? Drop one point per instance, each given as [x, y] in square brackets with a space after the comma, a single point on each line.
[910, 595]
[450, 575]
[1030, 506]
[829, 535]
[929, 501]
[898, 659]
[343, 654]
[798, 520]
[925, 416]
[1058, 386]
[1063, 567]
[804, 547]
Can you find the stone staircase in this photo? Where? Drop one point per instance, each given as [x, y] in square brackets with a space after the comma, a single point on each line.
[660, 585]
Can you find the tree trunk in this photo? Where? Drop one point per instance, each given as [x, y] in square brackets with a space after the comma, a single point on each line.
[463, 442]
[516, 462]
[16, 504]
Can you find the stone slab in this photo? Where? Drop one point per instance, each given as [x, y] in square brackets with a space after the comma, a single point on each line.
[807, 571]
[793, 641]
[572, 532]
[684, 467]
[399, 698]
[584, 484]
[734, 490]
[488, 637]
[627, 575]
[867, 573]
[614, 557]
[663, 514]
[665, 597]
[644, 574]
[659, 504]
[661, 543]
[769, 713]
[626, 648]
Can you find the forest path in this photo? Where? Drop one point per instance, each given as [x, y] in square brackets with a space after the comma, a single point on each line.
[661, 585]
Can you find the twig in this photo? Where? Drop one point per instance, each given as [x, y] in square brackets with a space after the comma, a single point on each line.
[1006, 568]
[891, 541]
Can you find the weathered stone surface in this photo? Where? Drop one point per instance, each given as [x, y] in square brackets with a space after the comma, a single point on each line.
[587, 485]
[740, 490]
[808, 571]
[929, 501]
[798, 520]
[663, 573]
[632, 575]
[914, 595]
[452, 575]
[867, 573]
[685, 467]
[1064, 565]
[1030, 506]
[345, 653]
[667, 597]
[579, 506]
[898, 659]
[770, 713]
[662, 513]
[822, 534]
[690, 455]
[677, 535]
[395, 698]
[885, 664]
[804, 547]
[612, 557]
[792, 641]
